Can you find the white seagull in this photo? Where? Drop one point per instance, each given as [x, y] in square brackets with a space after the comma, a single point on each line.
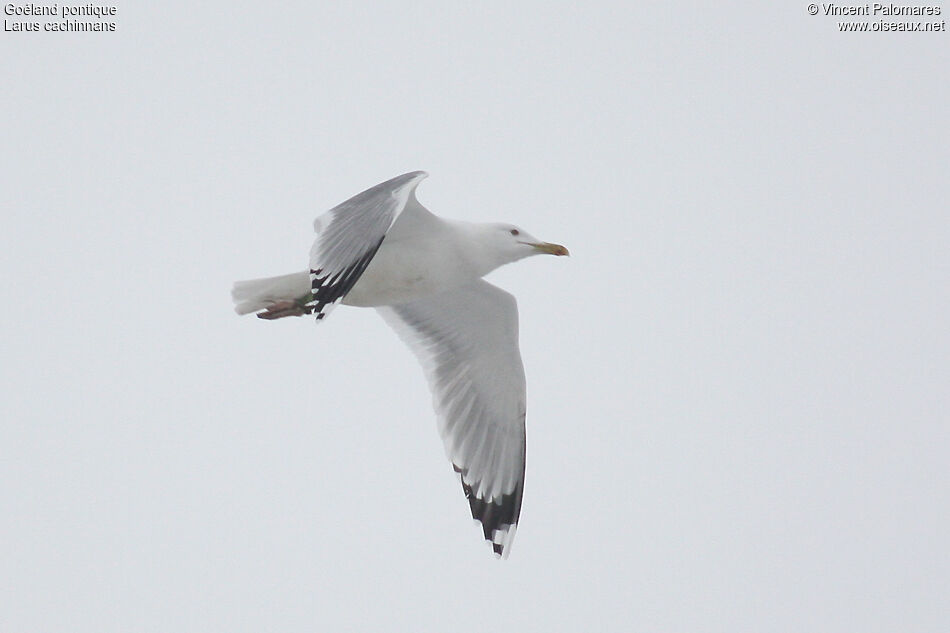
[423, 274]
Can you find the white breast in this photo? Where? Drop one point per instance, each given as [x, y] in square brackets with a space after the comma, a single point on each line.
[402, 272]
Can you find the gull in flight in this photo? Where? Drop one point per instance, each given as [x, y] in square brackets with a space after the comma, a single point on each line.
[423, 274]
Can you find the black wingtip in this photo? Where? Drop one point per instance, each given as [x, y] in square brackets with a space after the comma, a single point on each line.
[497, 515]
[328, 288]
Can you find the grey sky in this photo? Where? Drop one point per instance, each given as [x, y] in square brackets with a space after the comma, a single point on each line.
[737, 386]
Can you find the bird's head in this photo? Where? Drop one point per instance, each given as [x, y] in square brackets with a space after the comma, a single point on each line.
[516, 243]
[500, 244]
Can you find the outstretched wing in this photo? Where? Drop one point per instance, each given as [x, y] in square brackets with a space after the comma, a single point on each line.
[348, 236]
[467, 342]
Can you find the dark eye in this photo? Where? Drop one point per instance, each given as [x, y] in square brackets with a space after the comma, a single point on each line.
[515, 232]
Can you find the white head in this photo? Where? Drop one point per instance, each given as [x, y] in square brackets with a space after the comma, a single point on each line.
[505, 243]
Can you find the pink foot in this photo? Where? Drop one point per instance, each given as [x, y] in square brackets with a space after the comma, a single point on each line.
[281, 309]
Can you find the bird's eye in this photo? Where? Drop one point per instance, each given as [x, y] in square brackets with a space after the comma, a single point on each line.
[515, 232]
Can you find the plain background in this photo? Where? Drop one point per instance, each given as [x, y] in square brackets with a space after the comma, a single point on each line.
[737, 386]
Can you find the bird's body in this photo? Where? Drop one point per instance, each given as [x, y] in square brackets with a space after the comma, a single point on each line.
[383, 249]
[393, 278]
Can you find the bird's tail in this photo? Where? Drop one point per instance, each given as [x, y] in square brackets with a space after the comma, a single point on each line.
[259, 294]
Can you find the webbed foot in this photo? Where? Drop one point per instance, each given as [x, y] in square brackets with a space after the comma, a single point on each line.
[281, 309]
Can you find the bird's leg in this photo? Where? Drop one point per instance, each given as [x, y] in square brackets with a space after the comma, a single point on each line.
[288, 307]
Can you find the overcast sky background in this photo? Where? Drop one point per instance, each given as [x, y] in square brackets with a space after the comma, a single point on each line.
[737, 385]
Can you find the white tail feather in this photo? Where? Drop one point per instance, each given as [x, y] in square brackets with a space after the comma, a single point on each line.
[257, 294]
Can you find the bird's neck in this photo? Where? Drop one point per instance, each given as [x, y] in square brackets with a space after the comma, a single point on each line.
[477, 252]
